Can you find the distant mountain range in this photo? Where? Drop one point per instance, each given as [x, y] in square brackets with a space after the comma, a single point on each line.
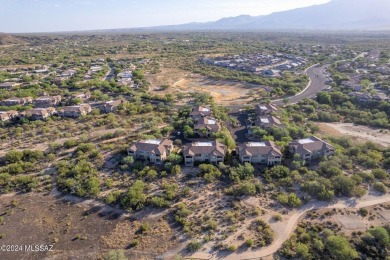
[6, 39]
[364, 15]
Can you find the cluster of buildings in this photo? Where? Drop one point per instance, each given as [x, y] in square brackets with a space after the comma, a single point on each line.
[268, 65]
[361, 95]
[267, 153]
[266, 117]
[214, 152]
[65, 75]
[364, 98]
[95, 67]
[204, 124]
[47, 106]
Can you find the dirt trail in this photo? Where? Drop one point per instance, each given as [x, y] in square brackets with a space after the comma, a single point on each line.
[360, 132]
[291, 222]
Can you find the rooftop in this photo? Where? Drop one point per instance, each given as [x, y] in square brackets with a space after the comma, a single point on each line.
[152, 141]
[257, 144]
[203, 144]
[306, 141]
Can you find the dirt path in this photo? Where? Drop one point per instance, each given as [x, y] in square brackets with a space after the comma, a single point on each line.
[360, 132]
[291, 222]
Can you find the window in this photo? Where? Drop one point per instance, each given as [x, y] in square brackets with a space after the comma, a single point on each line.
[198, 155]
[189, 157]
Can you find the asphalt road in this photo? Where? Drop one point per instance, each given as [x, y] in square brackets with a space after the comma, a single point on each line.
[317, 83]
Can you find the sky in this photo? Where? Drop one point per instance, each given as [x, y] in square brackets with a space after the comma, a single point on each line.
[17, 16]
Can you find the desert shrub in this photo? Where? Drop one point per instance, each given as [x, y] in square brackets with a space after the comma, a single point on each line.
[379, 186]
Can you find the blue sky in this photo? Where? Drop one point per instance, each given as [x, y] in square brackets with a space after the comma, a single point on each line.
[68, 15]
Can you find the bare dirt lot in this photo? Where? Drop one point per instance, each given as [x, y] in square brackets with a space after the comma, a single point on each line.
[75, 230]
[357, 132]
[224, 92]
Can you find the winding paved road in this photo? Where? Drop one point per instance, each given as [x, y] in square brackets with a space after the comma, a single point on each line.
[316, 84]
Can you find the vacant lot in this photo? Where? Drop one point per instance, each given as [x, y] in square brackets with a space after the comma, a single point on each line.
[224, 92]
[77, 230]
[357, 132]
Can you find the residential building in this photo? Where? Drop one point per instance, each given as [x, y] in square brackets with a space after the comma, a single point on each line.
[75, 111]
[9, 85]
[111, 106]
[311, 148]
[8, 115]
[207, 152]
[266, 109]
[259, 152]
[68, 73]
[47, 101]
[155, 151]
[39, 113]
[82, 96]
[206, 126]
[199, 112]
[16, 101]
[268, 121]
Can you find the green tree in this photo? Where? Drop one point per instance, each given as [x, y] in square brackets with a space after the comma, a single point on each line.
[115, 255]
[340, 248]
[343, 185]
[14, 156]
[135, 197]
[324, 98]
[276, 172]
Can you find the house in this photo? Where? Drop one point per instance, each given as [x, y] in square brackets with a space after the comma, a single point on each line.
[270, 72]
[207, 126]
[125, 75]
[9, 85]
[111, 106]
[155, 151]
[68, 73]
[8, 115]
[199, 112]
[284, 67]
[360, 97]
[47, 101]
[75, 111]
[16, 101]
[311, 148]
[39, 113]
[268, 121]
[82, 96]
[207, 152]
[266, 109]
[259, 152]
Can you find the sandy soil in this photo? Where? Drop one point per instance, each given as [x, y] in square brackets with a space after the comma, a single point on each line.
[6, 147]
[224, 92]
[357, 132]
[166, 76]
[295, 216]
[78, 229]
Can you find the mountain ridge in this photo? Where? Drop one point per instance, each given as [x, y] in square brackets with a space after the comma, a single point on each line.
[334, 15]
